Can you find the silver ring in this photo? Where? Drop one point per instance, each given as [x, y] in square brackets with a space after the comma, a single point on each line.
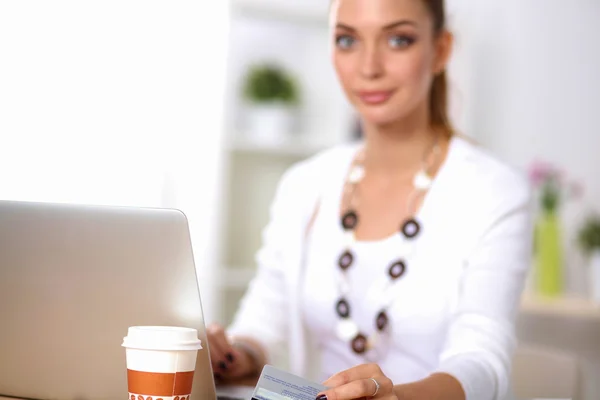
[376, 387]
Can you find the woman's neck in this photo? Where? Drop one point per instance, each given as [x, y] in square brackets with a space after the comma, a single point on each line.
[394, 151]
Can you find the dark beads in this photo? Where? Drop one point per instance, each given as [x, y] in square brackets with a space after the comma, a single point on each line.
[350, 220]
[359, 343]
[382, 321]
[397, 269]
[411, 228]
[346, 260]
[343, 308]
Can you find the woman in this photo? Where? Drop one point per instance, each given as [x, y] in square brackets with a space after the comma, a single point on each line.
[392, 266]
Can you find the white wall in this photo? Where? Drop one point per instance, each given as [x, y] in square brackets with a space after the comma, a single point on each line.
[530, 73]
[116, 102]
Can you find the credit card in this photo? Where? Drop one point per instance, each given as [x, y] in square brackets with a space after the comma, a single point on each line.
[276, 384]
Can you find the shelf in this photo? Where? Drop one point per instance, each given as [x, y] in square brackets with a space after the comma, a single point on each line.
[236, 277]
[560, 307]
[563, 307]
[279, 10]
[291, 148]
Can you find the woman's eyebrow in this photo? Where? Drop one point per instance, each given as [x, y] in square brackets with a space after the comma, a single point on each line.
[385, 28]
[345, 27]
[399, 23]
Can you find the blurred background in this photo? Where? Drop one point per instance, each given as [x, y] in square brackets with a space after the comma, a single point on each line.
[203, 105]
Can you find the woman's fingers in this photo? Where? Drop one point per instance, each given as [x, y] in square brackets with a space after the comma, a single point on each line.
[362, 388]
[355, 373]
[221, 352]
[363, 381]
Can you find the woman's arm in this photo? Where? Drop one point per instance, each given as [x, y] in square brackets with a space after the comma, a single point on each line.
[368, 381]
[481, 338]
[261, 323]
[438, 386]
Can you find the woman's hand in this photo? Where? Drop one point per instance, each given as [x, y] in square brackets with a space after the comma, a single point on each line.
[229, 362]
[362, 381]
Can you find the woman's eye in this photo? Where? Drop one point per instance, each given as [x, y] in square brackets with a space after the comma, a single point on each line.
[344, 41]
[399, 41]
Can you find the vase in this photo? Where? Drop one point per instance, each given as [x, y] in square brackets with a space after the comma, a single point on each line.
[595, 276]
[270, 123]
[548, 255]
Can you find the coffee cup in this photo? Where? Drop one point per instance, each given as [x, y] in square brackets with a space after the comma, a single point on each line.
[161, 361]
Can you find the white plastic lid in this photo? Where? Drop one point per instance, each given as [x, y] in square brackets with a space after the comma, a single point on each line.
[162, 338]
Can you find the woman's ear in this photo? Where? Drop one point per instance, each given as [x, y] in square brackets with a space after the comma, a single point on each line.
[443, 50]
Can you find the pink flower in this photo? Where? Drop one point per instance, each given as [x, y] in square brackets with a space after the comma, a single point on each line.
[553, 183]
[540, 171]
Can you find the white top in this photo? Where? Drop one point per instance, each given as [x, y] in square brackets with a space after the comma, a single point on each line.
[411, 351]
[455, 306]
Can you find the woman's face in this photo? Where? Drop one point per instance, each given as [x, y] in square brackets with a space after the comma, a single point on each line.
[385, 54]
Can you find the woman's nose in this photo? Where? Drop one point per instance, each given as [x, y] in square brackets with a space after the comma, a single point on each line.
[371, 63]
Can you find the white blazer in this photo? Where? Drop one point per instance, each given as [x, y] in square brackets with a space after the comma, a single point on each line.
[483, 209]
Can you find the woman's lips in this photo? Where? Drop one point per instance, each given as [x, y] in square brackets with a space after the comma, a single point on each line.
[375, 97]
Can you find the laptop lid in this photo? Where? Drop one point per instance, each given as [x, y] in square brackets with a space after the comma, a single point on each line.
[73, 278]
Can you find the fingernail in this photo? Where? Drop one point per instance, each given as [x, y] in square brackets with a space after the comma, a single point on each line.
[229, 357]
[322, 397]
[223, 366]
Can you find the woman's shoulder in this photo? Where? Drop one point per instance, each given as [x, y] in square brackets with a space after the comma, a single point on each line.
[330, 163]
[485, 175]
[302, 184]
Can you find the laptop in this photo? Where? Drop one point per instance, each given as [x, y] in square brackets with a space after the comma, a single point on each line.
[73, 278]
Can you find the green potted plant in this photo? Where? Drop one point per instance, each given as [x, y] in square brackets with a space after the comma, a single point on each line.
[272, 98]
[589, 241]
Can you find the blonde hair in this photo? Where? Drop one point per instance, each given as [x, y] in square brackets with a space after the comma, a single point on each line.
[438, 94]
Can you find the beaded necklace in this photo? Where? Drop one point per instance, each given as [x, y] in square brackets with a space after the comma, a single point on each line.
[347, 329]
